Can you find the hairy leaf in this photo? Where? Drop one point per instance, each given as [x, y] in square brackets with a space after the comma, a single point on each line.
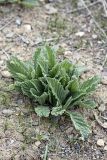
[80, 124]
[41, 99]
[57, 111]
[51, 57]
[87, 104]
[17, 67]
[42, 111]
[90, 84]
[57, 89]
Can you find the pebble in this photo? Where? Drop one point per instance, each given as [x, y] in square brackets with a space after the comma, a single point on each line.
[1, 62]
[5, 74]
[27, 28]
[68, 53]
[7, 112]
[69, 130]
[105, 124]
[18, 21]
[105, 148]
[37, 143]
[102, 108]
[104, 80]
[50, 9]
[25, 40]
[10, 35]
[100, 142]
[94, 36]
[80, 34]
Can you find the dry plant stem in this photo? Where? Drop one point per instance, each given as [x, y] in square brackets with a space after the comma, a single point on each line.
[5, 53]
[96, 23]
[104, 3]
[7, 23]
[82, 8]
[98, 26]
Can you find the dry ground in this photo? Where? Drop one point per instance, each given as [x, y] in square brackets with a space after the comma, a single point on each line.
[23, 136]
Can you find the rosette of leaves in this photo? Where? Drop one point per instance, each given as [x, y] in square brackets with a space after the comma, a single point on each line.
[54, 85]
[28, 3]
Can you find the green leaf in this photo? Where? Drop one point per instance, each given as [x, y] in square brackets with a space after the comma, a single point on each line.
[79, 124]
[57, 111]
[57, 89]
[55, 70]
[41, 99]
[68, 102]
[73, 85]
[51, 57]
[28, 3]
[42, 111]
[36, 57]
[17, 67]
[28, 84]
[90, 84]
[87, 104]
[66, 64]
[44, 66]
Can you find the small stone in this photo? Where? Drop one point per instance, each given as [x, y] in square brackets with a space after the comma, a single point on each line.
[37, 143]
[10, 35]
[25, 40]
[105, 124]
[7, 112]
[1, 62]
[94, 36]
[69, 130]
[12, 141]
[80, 34]
[27, 27]
[100, 142]
[102, 108]
[68, 53]
[50, 9]
[6, 74]
[18, 21]
[104, 80]
[105, 148]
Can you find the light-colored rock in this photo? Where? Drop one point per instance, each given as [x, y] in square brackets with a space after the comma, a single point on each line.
[94, 36]
[102, 108]
[1, 62]
[10, 35]
[7, 112]
[37, 143]
[50, 9]
[105, 148]
[5, 74]
[25, 40]
[18, 21]
[105, 124]
[69, 130]
[104, 80]
[68, 53]
[100, 142]
[80, 34]
[27, 28]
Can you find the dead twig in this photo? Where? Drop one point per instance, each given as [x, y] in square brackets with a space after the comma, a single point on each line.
[6, 24]
[97, 25]
[104, 3]
[3, 51]
[82, 8]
